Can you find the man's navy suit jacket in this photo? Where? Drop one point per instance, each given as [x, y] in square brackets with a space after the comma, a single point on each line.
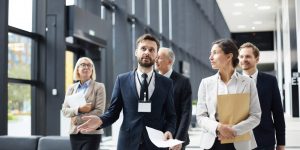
[272, 117]
[183, 105]
[124, 96]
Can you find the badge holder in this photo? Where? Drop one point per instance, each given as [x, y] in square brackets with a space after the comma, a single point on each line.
[144, 106]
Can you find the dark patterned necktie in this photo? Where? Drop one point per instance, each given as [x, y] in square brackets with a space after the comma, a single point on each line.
[144, 87]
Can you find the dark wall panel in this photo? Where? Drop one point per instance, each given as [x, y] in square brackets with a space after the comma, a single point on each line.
[263, 40]
[55, 74]
[154, 15]
[3, 65]
[122, 46]
[165, 18]
[140, 11]
[92, 6]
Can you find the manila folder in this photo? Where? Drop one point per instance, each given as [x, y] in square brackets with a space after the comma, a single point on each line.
[232, 109]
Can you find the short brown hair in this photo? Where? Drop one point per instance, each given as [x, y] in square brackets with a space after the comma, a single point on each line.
[147, 37]
[250, 45]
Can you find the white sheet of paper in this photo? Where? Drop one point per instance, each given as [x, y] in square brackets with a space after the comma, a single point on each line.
[75, 100]
[157, 138]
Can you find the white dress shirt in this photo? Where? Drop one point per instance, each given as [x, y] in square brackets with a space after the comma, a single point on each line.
[168, 74]
[253, 76]
[83, 87]
[230, 87]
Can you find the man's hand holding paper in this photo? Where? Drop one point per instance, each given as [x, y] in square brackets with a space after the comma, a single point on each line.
[160, 140]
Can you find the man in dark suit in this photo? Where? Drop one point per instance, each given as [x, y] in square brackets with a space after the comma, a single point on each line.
[146, 99]
[182, 95]
[271, 129]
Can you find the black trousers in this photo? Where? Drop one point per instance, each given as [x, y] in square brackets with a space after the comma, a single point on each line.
[218, 146]
[85, 141]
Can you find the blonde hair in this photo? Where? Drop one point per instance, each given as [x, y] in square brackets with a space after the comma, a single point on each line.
[76, 76]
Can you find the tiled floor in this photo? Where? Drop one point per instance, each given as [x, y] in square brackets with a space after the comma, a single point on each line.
[292, 137]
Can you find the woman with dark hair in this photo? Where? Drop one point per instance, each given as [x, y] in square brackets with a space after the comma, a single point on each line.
[230, 88]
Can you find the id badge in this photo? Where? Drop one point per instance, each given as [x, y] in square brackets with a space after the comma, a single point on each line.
[144, 107]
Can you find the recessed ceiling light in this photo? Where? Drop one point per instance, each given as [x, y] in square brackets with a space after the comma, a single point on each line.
[253, 28]
[255, 4]
[257, 22]
[241, 26]
[236, 13]
[238, 4]
[264, 7]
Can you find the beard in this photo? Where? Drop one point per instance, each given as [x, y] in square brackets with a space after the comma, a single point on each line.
[146, 64]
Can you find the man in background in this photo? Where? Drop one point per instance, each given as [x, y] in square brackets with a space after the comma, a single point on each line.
[182, 95]
[271, 129]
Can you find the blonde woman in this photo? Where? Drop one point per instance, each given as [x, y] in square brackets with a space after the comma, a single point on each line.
[85, 97]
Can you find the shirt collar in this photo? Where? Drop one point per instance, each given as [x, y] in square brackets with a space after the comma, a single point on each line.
[253, 76]
[85, 84]
[168, 74]
[140, 74]
[233, 76]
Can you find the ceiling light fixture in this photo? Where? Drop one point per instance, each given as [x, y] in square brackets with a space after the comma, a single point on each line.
[265, 7]
[253, 28]
[257, 22]
[238, 4]
[236, 13]
[241, 26]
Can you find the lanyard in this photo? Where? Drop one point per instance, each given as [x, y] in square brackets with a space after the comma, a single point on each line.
[147, 83]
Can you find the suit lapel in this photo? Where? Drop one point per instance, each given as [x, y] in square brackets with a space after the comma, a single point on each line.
[133, 84]
[90, 89]
[173, 76]
[241, 84]
[156, 85]
[259, 81]
[75, 87]
[212, 87]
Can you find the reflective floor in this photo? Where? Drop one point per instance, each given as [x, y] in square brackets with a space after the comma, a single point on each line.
[292, 137]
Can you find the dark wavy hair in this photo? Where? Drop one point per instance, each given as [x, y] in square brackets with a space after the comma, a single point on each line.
[228, 46]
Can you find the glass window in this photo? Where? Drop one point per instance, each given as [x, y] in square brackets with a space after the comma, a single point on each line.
[64, 121]
[19, 56]
[19, 109]
[69, 68]
[20, 14]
